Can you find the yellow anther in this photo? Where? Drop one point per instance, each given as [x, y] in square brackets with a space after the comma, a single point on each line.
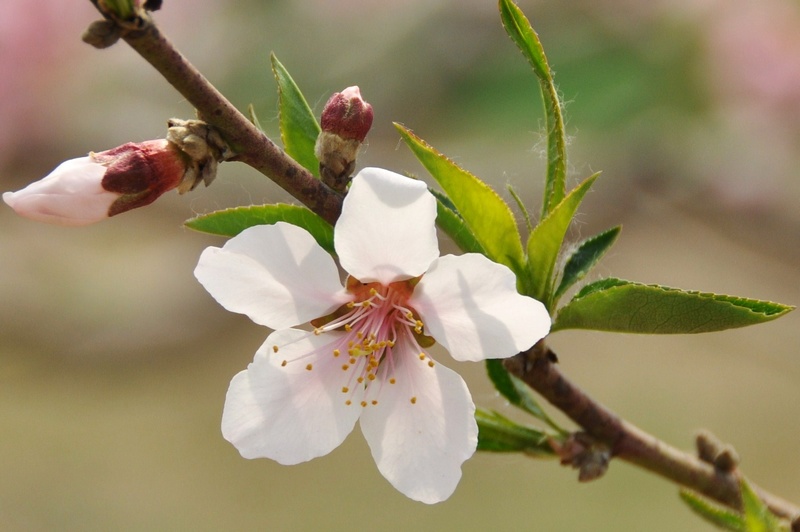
[374, 402]
[430, 363]
[413, 400]
[348, 327]
[309, 367]
[392, 380]
[371, 376]
[283, 363]
[373, 292]
[345, 367]
[274, 348]
[318, 331]
[352, 360]
[360, 380]
[363, 403]
[351, 304]
[336, 352]
[365, 304]
[360, 334]
[348, 402]
[345, 389]
[422, 356]
[409, 314]
[418, 330]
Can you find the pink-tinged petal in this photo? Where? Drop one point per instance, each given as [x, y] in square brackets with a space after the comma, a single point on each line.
[290, 413]
[386, 231]
[276, 274]
[70, 195]
[471, 306]
[419, 447]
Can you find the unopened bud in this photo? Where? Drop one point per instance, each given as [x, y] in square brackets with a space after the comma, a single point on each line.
[346, 120]
[89, 189]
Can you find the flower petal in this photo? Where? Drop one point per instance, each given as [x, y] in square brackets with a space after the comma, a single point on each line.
[70, 195]
[419, 447]
[290, 413]
[275, 274]
[386, 231]
[471, 306]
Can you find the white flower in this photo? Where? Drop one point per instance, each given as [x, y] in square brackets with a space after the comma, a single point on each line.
[366, 357]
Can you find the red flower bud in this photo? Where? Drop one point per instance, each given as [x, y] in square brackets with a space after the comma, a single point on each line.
[346, 120]
[347, 115]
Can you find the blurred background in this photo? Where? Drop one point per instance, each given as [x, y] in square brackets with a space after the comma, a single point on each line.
[114, 362]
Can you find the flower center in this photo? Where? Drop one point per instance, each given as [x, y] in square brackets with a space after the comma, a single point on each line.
[378, 325]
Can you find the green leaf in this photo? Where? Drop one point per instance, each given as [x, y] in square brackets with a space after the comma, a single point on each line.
[299, 127]
[714, 514]
[545, 241]
[497, 433]
[517, 392]
[253, 118]
[231, 222]
[121, 8]
[485, 214]
[453, 225]
[523, 35]
[585, 256]
[757, 517]
[623, 306]
[502, 381]
[521, 206]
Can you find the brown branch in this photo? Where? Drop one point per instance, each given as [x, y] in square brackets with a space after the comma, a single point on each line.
[250, 144]
[537, 368]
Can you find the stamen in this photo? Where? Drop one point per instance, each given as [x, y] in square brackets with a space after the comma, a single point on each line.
[345, 389]
[413, 400]
[309, 367]
[283, 363]
[274, 348]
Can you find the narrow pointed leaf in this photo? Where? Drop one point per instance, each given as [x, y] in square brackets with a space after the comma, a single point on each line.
[585, 256]
[546, 239]
[485, 214]
[523, 35]
[624, 306]
[497, 433]
[757, 516]
[502, 381]
[299, 127]
[521, 206]
[517, 392]
[231, 222]
[714, 514]
[253, 118]
[453, 225]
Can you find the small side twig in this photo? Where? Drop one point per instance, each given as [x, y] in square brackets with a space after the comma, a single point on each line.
[250, 144]
[536, 367]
